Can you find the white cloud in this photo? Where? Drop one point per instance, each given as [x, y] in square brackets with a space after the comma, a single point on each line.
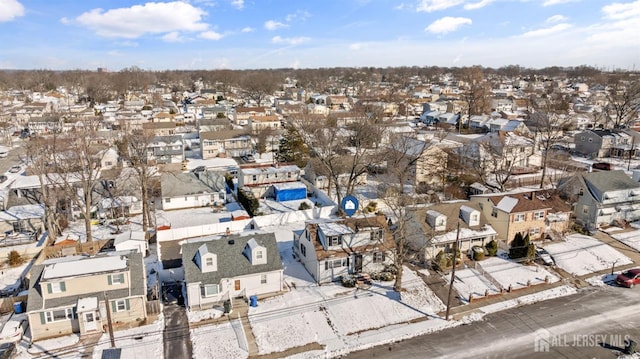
[357, 46]
[447, 24]
[11, 9]
[173, 36]
[556, 18]
[210, 35]
[477, 5]
[557, 2]
[150, 18]
[127, 43]
[299, 15]
[622, 11]
[247, 29]
[434, 5]
[401, 6]
[289, 40]
[546, 31]
[238, 4]
[274, 25]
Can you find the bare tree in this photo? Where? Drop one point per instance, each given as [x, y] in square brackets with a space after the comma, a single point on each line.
[134, 149]
[549, 119]
[258, 84]
[477, 95]
[77, 163]
[623, 101]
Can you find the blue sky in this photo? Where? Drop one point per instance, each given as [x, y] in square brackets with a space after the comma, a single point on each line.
[243, 34]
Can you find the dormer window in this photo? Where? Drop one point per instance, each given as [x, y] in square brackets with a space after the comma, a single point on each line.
[377, 235]
[258, 254]
[209, 262]
[335, 241]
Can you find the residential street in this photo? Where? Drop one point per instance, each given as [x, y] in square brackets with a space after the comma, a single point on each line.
[590, 324]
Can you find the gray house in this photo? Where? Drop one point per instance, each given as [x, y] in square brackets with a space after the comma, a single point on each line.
[604, 143]
[231, 267]
[601, 198]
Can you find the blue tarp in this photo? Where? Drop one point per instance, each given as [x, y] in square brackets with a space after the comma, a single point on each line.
[289, 193]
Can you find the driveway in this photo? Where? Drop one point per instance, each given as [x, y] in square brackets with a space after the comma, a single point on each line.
[177, 342]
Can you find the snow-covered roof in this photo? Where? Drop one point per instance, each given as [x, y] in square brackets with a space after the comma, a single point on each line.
[86, 304]
[27, 211]
[84, 266]
[465, 234]
[334, 229]
[289, 185]
[270, 169]
[507, 203]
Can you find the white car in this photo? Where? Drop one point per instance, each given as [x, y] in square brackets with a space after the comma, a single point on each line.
[13, 331]
[544, 256]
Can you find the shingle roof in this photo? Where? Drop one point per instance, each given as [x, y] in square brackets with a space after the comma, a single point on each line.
[137, 285]
[610, 180]
[182, 184]
[231, 261]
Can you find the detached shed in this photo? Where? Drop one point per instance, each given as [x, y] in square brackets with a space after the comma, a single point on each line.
[289, 191]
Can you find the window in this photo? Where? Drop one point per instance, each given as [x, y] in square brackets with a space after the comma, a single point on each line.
[494, 213]
[120, 305]
[258, 254]
[56, 287]
[336, 263]
[474, 217]
[590, 139]
[263, 279]
[534, 231]
[538, 215]
[303, 249]
[208, 290]
[335, 241]
[377, 235]
[209, 262]
[378, 257]
[585, 210]
[116, 279]
[58, 315]
[167, 200]
[288, 174]
[254, 178]
[582, 138]
[520, 217]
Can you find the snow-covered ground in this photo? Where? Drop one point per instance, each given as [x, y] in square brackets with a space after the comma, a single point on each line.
[632, 239]
[508, 273]
[10, 277]
[579, 254]
[142, 342]
[470, 282]
[216, 341]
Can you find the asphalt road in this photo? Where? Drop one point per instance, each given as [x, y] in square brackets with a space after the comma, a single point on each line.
[590, 324]
[177, 343]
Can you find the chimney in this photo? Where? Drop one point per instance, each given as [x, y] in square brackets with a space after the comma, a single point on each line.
[532, 194]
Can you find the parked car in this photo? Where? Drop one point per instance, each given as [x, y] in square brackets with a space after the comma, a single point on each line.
[172, 294]
[629, 278]
[603, 166]
[3, 178]
[13, 331]
[15, 169]
[250, 158]
[7, 350]
[544, 256]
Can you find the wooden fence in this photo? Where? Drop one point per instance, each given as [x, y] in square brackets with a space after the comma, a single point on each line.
[6, 304]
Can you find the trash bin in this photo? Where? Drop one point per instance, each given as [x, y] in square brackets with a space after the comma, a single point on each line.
[17, 307]
[227, 306]
[253, 300]
[630, 347]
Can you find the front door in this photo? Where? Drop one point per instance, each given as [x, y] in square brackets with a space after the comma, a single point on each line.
[89, 320]
[237, 284]
[357, 263]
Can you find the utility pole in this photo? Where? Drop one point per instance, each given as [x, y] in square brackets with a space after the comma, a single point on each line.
[453, 271]
[110, 325]
[633, 142]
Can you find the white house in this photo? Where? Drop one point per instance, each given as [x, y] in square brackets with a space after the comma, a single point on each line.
[231, 267]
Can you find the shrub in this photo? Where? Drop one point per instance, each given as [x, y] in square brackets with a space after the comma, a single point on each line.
[521, 247]
[477, 253]
[303, 206]
[442, 261]
[248, 201]
[492, 248]
[15, 259]
[371, 207]
[383, 276]
[348, 281]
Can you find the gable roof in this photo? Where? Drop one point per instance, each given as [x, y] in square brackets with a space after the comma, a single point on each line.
[606, 181]
[526, 200]
[133, 261]
[182, 184]
[231, 260]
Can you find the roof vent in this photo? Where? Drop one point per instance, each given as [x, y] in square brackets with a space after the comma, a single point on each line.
[231, 241]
